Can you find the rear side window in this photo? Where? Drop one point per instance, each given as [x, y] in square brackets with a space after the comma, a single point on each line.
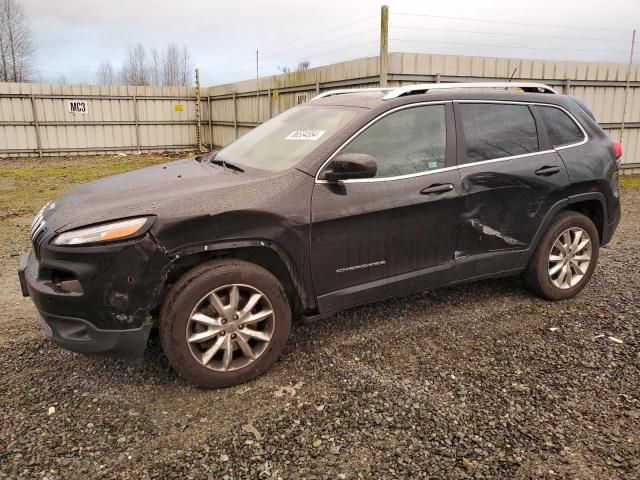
[412, 140]
[561, 128]
[498, 130]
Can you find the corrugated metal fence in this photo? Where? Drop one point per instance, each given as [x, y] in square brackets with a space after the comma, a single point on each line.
[36, 118]
[40, 119]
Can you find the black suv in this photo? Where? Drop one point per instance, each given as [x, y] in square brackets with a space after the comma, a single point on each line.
[353, 197]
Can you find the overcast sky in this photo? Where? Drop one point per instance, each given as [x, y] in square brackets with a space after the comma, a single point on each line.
[73, 36]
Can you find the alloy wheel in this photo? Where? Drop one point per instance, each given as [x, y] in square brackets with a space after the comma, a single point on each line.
[230, 327]
[570, 258]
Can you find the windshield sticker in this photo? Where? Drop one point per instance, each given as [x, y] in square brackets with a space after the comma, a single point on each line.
[305, 135]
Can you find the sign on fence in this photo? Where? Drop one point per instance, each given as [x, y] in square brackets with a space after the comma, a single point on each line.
[78, 106]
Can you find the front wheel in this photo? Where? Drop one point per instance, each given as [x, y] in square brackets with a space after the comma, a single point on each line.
[566, 257]
[224, 323]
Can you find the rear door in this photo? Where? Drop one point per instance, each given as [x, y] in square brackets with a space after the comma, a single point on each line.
[510, 179]
[372, 238]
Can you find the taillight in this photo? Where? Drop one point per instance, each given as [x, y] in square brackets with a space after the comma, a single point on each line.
[617, 149]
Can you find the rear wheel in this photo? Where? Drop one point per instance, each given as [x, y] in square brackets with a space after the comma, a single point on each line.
[566, 257]
[224, 322]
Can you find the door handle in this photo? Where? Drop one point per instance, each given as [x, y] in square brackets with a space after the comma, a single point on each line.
[546, 171]
[437, 188]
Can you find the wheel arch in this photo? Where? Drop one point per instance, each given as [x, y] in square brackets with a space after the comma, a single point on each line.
[264, 253]
[591, 204]
[594, 208]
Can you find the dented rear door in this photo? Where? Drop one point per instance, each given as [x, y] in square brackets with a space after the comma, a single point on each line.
[510, 179]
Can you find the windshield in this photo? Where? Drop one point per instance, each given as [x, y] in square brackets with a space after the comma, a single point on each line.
[284, 140]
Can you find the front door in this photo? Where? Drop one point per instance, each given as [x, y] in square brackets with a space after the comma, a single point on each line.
[394, 233]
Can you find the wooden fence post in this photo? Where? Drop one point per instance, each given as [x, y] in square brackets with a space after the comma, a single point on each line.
[384, 45]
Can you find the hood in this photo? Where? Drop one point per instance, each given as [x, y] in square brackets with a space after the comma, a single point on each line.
[153, 190]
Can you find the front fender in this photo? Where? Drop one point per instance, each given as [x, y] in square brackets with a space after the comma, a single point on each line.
[231, 232]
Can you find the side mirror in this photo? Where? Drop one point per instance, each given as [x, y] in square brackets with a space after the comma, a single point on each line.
[348, 166]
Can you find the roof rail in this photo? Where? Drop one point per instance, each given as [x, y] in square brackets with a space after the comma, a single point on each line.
[342, 91]
[425, 87]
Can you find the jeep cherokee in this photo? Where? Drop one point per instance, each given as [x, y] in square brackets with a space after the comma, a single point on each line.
[353, 197]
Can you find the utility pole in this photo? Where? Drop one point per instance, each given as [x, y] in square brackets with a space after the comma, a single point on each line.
[257, 89]
[626, 89]
[384, 45]
[198, 136]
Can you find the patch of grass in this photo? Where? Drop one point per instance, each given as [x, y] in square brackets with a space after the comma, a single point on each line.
[629, 181]
[27, 183]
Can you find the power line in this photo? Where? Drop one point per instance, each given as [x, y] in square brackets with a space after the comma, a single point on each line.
[288, 52]
[316, 44]
[241, 62]
[320, 33]
[273, 66]
[506, 22]
[317, 54]
[303, 37]
[403, 27]
[347, 59]
[509, 46]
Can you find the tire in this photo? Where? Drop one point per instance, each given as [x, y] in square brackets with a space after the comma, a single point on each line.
[198, 330]
[539, 277]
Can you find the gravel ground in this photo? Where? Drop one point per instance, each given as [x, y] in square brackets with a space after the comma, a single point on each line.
[476, 381]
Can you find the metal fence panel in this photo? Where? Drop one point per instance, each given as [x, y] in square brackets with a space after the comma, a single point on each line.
[36, 118]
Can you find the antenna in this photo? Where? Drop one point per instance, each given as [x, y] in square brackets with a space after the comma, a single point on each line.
[513, 74]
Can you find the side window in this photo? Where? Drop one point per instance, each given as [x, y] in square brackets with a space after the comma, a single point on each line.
[494, 130]
[409, 141]
[561, 129]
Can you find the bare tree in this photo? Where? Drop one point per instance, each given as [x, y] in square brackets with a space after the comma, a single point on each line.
[135, 69]
[4, 50]
[16, 43]
[186, 68]
[302, 65]
[172, 67]
[170, 64]
[155, 67]
[176, 66]
[106, 75]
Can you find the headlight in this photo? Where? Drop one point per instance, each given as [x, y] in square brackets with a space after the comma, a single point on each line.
[102, 233]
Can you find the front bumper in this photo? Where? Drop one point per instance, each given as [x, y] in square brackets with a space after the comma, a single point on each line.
[96, 299]
[81, 336]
